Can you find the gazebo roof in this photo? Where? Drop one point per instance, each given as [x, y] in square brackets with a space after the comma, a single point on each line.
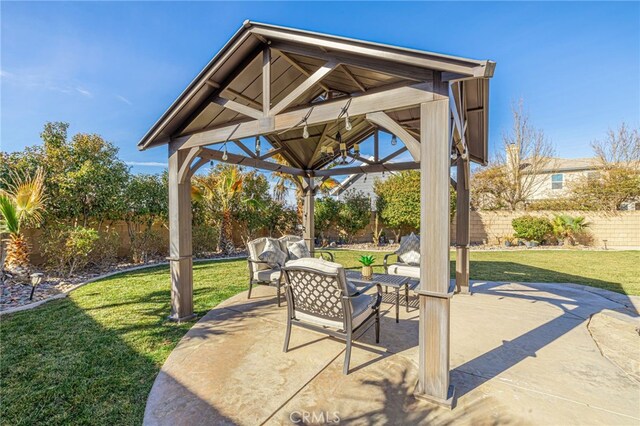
[228, 92]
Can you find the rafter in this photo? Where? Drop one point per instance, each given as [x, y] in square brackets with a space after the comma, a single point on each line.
[247, 99]
[353, 78]
[402, 97]
[300, 68]
[239, 108]
[266, 81]
[303, 87]
[369, 168]
[211, 154]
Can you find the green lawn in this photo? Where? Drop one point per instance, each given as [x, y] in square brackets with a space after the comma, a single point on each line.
[92, 358]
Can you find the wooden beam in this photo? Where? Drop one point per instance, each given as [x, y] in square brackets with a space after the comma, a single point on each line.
[239, 108]
[303, 87]
[462, 227]
[368, 168]
[245, 149]
[300, 68]
[211, 154]
[383, 120]
[180, 248]
[247, 99]
[376, 145]
[270, 153]
[184, 174]
[393, 154]
[433, 374]
[353, 78]
[308, 231]
[401, 97]
[266, 81]
[404, 71]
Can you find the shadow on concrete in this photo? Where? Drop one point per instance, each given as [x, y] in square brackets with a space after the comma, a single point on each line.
[574, 312]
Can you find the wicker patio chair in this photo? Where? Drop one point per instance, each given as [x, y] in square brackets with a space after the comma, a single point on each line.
[320, 298]
[260, 271]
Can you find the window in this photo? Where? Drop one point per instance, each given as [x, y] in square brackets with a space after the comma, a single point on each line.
[557, 180]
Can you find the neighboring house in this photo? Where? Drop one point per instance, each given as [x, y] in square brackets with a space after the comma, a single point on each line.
[360, 182]
[554, 180]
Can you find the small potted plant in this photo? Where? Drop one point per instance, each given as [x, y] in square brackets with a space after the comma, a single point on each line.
[367, 268]
[508, 240]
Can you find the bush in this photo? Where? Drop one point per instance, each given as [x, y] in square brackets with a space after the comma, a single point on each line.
[67, 248]
[147, 245]
[105, 252]
[568, 228]
[205, 239]
[532, 228]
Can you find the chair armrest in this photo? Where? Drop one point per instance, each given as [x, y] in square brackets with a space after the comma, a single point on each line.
[363, 290]
[385, 262]
[323, 252]
[258, 261]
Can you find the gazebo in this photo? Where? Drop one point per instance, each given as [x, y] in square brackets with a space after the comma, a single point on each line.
[313, 98]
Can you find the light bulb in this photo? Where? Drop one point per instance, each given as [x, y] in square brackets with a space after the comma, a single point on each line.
[257, 145]
[225, 157]
[347, 124]
[305, 132]
[394, 140]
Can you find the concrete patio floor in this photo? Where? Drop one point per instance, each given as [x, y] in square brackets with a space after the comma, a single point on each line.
[520, 354]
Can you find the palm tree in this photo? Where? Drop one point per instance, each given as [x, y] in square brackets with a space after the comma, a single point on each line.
[21, 204]
[286, 182]
[222, 188]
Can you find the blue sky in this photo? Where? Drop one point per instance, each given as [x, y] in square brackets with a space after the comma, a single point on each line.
[113, 68]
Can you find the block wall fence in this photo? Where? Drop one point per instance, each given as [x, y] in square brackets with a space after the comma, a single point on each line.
[615, 230]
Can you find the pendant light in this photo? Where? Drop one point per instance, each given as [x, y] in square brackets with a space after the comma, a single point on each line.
[257, 145]
[394, 140]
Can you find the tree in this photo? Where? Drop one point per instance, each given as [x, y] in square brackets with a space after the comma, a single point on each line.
[22, 203]
[354, 214]
[221, 190]
[398, 202]
[325, 215]
[513, 179]
[85, 177]
[145, 201]
[286, 183]
[254, 201]
[618, 179]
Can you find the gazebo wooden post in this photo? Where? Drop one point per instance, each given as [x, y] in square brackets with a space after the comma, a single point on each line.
[180, 249]
[308, 224]
[433, 375]
[462, 226]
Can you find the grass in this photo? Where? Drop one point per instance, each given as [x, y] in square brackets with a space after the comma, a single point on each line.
[611, 270]
[92, 358]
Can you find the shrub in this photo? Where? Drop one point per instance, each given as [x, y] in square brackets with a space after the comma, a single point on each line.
[67, 248]
[205, 239]
[568, 228]
[532, 228]
[105, 252]
[147, 245]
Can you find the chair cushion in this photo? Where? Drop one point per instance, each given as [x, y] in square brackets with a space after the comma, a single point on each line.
[286, 239]
[255, 248]
[409, 251]
[297, 250]
[272, 254]
[405, 270]
[268, 275]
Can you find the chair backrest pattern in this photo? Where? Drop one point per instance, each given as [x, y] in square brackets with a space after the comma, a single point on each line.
[316, 293]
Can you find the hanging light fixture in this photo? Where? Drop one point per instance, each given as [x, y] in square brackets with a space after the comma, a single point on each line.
[356, 149]
[305, 131]
[394, 140]
[225, 157]
[257, 145]
[347, 122]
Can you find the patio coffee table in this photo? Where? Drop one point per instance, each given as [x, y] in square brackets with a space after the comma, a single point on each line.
[395, 281]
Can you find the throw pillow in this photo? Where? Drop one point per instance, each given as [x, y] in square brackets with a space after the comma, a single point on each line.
[297, 250]
[409, 251]
[272, 254]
